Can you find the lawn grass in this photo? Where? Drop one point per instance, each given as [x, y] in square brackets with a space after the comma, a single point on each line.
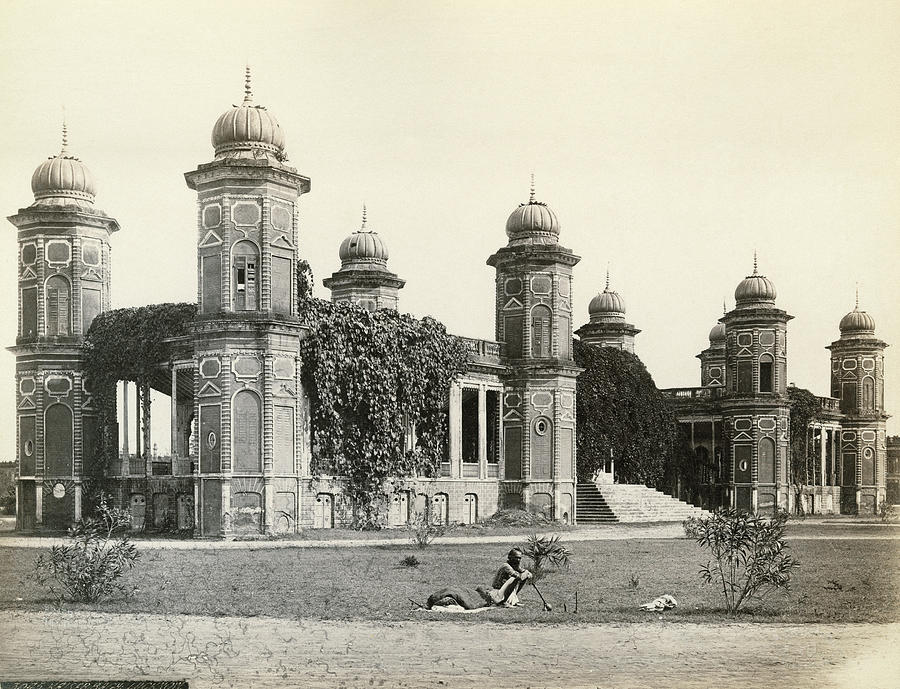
[838, 581]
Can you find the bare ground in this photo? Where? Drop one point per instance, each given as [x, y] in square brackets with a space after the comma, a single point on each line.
[265, 652]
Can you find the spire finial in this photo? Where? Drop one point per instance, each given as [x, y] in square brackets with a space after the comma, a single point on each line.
[724, 307]
[363, 227]
[607, 278]
[65, 136]
[856, 308]
[754, 262]
[531, 196]
[248, 93]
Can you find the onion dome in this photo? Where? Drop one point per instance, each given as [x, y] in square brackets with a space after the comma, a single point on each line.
[755, 288]
[63, 179]
[607, 304]
[247, 130]
[857, 321]
[533, 220]
[717, 334]
[363, 247]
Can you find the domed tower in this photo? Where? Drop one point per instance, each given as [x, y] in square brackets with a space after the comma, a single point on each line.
[364, 277]
[857, 379]
[712, 359]
[247, 335]
[607, 326]
[64, 266]
[755, 406]
[534, 325]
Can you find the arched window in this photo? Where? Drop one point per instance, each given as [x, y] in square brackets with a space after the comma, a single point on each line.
[246, 425]
[540, 331]
[766, 370]
[767, 460]
[244, 288]
[59, 442]
[59, 312]
[868, 393]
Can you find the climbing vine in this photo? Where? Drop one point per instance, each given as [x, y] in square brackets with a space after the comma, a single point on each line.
[805, 409]
[619, 409]
[370, 376]
[129, 344]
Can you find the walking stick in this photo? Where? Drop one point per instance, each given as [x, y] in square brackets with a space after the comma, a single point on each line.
[547, 605]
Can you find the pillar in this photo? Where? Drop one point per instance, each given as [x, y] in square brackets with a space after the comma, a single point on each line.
[173, 435]
[482, 432]
[125, 470]
[77, 500]
[455, 420]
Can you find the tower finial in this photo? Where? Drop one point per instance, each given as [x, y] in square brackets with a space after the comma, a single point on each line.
[248, 93]
[531, 197]
[363, 227]
[724, 307]
[856, 308]
[754, 262]
[607, 278]
[65, 135]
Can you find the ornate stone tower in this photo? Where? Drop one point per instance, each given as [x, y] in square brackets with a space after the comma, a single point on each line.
[712, 359]
[857, 379]
[364, 277]
[64, 283]
[607, 326]
[534, 323]
[755, 407]
[249, 400]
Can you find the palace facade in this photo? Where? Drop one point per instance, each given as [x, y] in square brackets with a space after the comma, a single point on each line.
[240, 445]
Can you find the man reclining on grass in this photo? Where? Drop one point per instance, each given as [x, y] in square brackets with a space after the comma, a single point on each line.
[508, 581]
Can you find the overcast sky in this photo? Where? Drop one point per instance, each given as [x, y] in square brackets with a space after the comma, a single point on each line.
[671, 138]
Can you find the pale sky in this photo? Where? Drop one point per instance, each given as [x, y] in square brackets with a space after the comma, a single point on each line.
[671, 138]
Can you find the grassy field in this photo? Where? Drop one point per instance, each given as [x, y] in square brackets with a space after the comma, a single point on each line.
[838, 581]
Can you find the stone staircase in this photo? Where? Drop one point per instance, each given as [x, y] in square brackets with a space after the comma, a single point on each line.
[635, 503]
[592, 508]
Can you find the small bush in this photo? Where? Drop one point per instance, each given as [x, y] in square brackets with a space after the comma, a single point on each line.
[424, 533]
[410, 561]
[888, 512]
[634, 581]
[691, 527]
[513, 517]
[750, 557]
[88, 568]
[545, 552]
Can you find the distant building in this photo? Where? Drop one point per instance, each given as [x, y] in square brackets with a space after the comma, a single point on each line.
[738, 420]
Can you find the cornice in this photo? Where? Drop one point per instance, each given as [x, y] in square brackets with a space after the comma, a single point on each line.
[38, 215]
[246, 170]
[539, 253]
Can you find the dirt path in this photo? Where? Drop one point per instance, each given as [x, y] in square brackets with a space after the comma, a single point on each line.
[259, 652]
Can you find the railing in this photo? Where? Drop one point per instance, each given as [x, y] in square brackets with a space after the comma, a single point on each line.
[481, 349]
[692, 393]
[829, 403]
[159, 466]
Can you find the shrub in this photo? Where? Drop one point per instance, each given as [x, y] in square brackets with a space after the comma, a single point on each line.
[88, 568]
[424, 532]
[515, 517]
[410, 561]
[545, 552]
[634, 581]
[887, 512]
[749, 555]
[691, 527]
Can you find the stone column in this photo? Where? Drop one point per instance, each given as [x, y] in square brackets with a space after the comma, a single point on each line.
[455, 421]
[125, 470]
[173, 410]
[77, 500]
[38, 503]
[822, 458]
[482, 432]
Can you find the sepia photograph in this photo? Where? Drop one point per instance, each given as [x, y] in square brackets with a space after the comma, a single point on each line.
[450, 344]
